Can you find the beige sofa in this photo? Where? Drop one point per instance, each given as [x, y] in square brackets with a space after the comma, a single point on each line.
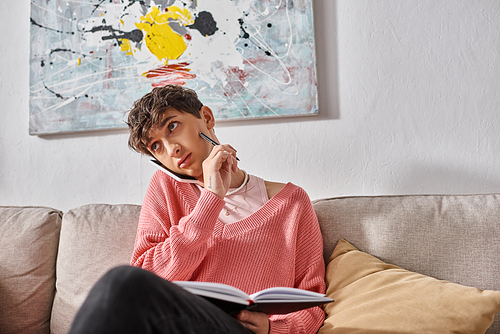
[49, 259]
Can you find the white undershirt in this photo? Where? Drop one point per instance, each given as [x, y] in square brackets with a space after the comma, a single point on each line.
[240, 205]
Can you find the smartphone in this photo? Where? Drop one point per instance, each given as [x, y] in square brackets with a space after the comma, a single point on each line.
[172, 174]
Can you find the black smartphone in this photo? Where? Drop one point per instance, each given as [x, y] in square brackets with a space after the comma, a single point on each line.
[174, 175]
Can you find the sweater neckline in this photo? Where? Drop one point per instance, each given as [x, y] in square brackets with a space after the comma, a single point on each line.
[256, 219]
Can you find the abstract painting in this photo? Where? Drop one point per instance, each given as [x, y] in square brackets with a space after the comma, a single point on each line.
[91, 59]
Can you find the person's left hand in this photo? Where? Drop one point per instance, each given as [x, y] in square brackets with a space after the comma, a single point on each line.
[257, 322]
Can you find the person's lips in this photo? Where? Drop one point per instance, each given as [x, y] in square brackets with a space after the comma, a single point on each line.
[184, 161]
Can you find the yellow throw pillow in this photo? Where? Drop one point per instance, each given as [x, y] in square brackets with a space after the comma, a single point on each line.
[372, 296]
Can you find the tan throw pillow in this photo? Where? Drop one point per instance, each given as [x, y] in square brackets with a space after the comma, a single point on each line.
[372, 296]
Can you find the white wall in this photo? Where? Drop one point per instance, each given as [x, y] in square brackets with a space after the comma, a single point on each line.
[409, 103]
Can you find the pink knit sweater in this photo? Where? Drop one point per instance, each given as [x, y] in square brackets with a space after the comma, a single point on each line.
[180, 238]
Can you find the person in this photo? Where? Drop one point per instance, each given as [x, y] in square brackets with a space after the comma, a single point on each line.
[229, 227]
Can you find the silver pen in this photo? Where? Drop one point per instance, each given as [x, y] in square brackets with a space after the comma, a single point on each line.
[211, 141]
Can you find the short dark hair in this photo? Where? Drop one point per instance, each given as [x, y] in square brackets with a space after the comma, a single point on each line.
[148, 111]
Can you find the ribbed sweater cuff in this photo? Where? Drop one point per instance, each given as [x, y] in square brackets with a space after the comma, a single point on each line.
[276, 327]
[207, 210]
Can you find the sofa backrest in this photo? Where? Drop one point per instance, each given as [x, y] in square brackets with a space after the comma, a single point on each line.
[29, 239]
[94, 239]
[455, 238]
[451, 237]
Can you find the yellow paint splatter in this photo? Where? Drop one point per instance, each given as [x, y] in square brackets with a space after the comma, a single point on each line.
[79, 61]
[126, 47]
[160, 39]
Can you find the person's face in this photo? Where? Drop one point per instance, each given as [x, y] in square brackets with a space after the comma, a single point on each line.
[176, 142]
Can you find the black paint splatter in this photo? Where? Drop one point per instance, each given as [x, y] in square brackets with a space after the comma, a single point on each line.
[205, 24]
[33, 22]
[134, 35]
[59, 96]
[67, 50]
[96, 7]
[246, 35]
[56, 94]
[61, 50]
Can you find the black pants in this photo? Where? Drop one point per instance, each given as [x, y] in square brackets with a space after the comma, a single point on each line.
[133, 300]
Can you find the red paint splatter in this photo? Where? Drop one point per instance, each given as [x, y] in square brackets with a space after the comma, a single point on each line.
[187, 36]
[239, 73]
[237, 78]
[174, 74]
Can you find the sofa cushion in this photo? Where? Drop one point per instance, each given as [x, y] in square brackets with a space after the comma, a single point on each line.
[450, 237]
[94, 239]
[29, 240]
[374, 297]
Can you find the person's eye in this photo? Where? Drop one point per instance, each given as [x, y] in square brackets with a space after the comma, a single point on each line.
[155, 147]
[172, 126]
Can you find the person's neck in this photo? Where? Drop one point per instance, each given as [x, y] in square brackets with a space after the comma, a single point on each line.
[237, 178]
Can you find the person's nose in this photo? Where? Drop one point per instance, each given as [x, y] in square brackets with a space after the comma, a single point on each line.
[174, 150]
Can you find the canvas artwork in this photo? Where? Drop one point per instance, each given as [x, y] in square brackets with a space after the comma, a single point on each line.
[91, 59]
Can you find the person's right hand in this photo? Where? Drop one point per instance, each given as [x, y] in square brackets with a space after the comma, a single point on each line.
[217, 169]
[257, 322]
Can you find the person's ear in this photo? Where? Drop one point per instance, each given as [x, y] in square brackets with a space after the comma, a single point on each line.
[208, 117]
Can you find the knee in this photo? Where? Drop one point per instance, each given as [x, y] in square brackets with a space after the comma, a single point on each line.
[125, 277]
[123, 274]
[132, 281]
[113, 300]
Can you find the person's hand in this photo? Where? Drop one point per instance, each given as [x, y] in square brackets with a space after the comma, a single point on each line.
[217, 169]
[257, 322]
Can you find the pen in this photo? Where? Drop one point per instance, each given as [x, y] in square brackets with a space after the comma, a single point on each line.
[211, 141]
